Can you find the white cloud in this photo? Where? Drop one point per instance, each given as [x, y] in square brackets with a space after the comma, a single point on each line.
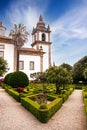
[68, 31]
[26, 12]
[73, 24]
[27, 16]
[69, 35]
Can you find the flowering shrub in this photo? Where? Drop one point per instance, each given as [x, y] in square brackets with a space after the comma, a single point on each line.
[20, 89]
[2, 80]
[41, 98]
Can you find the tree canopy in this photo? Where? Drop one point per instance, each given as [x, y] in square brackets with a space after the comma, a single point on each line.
[78, 70]
[85, 73]
[3, 66]
[19, 36]
[67, 66]
[58, 75]
[38, 76]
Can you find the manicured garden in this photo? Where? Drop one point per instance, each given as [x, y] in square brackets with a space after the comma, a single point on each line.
[40, 99]
[45, 95]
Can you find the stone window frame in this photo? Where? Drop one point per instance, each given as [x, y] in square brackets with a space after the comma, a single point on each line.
[21, 65]
[31, 65]
[2, 46]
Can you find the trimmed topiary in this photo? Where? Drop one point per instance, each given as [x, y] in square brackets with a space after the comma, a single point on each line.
[19, 79]
[7, 78]
[43, 106]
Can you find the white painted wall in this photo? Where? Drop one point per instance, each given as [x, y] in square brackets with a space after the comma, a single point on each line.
[27, 59]
[9, 56]
[45, 57]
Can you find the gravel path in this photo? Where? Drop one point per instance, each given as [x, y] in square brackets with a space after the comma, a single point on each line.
[71, 116]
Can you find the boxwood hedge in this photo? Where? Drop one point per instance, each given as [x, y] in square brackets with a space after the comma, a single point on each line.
[42, 114]
[84, 92]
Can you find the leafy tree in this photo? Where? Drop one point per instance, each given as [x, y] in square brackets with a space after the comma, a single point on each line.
[19, 36]
[41, 77]
[33, 75]
[38, 76]
[3, 66]
[85, 73]
[58, 75]
[67, 66]
[78, 70]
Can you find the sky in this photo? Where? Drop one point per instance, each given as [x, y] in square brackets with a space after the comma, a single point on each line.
[67, 20]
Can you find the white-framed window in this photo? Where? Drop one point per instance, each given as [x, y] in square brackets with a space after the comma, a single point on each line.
[1, 46]
[2, 54]
[21, 65]
[31, 65]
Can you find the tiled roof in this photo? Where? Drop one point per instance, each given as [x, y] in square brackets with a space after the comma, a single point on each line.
[4, 37]
[30, 49]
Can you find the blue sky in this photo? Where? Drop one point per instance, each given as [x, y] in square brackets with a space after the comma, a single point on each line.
[67, 19]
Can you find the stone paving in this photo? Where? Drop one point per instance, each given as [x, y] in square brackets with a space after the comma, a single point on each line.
[71, 116]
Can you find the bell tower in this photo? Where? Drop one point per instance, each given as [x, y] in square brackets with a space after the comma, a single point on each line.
[41, 40]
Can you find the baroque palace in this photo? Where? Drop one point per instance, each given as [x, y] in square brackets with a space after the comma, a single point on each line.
[34, 59]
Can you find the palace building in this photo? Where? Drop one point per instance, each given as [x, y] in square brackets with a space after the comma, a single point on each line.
[31, 60]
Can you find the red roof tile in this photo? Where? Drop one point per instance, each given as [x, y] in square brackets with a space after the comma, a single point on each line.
[4, 37]
[31, 50]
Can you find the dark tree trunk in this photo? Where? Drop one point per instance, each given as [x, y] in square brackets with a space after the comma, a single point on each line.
[57, 88]
[17, 68]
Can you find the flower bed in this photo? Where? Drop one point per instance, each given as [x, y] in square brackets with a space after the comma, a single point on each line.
[42, 114]
[42, 110]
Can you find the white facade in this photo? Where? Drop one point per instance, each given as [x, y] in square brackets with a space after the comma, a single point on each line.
[31, 60]
[7, 52]
[9, 56]
[27, 59]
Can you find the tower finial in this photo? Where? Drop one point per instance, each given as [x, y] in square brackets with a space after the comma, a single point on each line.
[40, 18]
[0, 24]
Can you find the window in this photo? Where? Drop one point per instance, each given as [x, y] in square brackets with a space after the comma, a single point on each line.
[34, 37]
[43, 37]
[2, 54]
[21, 65]
[1, 46]
[31, 65]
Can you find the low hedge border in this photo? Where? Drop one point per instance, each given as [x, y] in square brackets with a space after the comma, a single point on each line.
[54, 106]
[30, 105]
[84, 93]
[14, 94]
[42, 115]
[11, 92]
[65, 95]
[85, 105]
